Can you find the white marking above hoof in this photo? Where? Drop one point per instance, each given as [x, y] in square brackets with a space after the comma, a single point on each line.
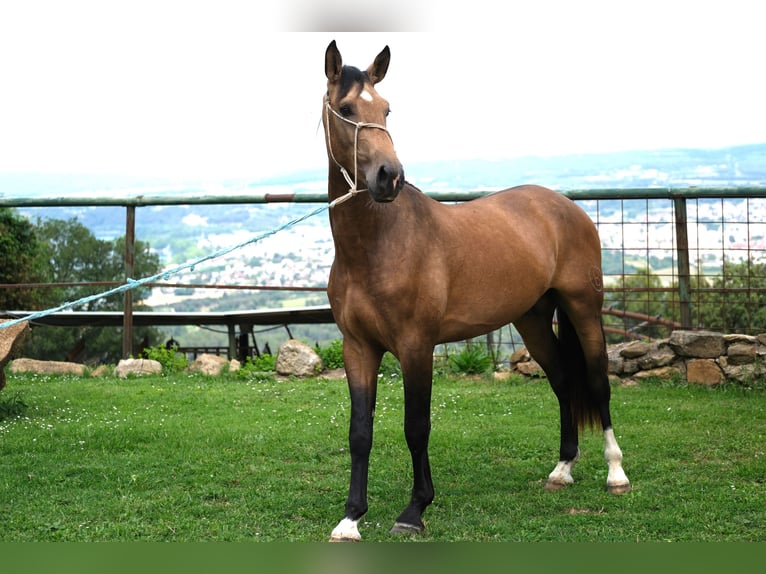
[346, 531]
[616, 481]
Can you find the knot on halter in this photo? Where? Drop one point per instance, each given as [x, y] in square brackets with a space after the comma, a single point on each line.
[353, 187]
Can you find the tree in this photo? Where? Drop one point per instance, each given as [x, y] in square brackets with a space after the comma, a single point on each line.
[735, 301]
[19, 263]
[642, 293]
[72, 254]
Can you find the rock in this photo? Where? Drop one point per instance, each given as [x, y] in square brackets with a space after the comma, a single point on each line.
[630, 366]
[737, 338]
[704, 372]
[697, 344]
[297, 359]
[656, 358]
[137, 367]
[740, 353]
[214, 365]
[615, 360]
[47, 367]
[743, 374]
[530, 368]
[11, 339]
[635, 349]
[662, 373]
[520, 356]
[334, 374]
[615, 366]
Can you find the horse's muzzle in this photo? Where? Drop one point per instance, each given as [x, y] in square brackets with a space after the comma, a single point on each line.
[386, 182]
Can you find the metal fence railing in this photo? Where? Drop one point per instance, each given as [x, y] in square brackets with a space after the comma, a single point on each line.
[692, 258]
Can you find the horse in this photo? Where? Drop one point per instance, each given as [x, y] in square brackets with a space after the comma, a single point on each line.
[410, 273]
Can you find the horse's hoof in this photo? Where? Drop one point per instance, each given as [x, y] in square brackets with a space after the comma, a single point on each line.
[346, 531]
[554, 485]
[343, 539]
[619, 488]
[404, 528]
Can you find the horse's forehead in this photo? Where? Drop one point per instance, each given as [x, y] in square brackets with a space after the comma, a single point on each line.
[360, 90]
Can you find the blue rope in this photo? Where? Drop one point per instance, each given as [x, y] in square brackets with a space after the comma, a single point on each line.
[134, 283]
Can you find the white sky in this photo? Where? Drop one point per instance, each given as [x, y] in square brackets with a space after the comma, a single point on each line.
[194, 88]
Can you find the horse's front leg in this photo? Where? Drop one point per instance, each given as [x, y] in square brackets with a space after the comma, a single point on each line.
[417, 372]
[361, 371]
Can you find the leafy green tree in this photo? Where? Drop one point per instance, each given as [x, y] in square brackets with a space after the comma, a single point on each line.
[19, 263]
[735, 301]
[72, 254]
[642, 293]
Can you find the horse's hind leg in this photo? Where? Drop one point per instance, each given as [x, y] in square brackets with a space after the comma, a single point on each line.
[536, 329]
[581, 337]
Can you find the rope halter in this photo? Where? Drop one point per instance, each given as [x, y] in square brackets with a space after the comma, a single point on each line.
[353, 189]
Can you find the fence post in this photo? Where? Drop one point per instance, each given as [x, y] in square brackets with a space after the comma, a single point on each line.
[682, 256]
[130, 250]
[232, 342]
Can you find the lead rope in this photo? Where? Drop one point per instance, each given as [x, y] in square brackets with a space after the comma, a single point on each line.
[353, 189]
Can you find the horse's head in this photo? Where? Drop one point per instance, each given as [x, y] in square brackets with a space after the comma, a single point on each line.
[354, 119]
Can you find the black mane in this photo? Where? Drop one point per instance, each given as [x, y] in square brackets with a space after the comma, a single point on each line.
[351, 76]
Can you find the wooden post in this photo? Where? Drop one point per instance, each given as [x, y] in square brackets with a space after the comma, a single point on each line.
[130, 251]
[682, 256]
[232, 342]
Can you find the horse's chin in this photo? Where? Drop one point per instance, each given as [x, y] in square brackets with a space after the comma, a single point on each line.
[387, 193]
[383, 198]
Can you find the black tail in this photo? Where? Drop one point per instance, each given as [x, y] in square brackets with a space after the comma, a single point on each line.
[587, 391]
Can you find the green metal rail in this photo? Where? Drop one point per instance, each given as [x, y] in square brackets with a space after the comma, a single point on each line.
[211, 199]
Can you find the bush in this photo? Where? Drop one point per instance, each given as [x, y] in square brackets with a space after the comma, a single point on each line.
[11, 406]
[171, 360]
[471, 360]
[257, 368]
[332, 354]
[264, 363]
[390, 366]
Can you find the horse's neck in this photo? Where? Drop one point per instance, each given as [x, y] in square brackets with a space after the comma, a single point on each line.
[360, 225]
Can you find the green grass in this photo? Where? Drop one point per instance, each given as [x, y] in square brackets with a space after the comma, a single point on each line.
[191, 458]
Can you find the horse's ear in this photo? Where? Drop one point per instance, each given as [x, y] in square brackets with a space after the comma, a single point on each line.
[377, 71]
[333, 63]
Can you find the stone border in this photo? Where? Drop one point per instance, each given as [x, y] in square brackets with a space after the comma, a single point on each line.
[699, 357]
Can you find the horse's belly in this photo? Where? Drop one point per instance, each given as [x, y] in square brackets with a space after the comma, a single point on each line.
[475, 322]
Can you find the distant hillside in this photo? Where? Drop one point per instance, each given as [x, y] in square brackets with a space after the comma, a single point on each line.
[730, 167]
[166, 228]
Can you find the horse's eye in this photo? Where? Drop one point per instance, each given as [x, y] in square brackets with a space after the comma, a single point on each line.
[388, 111]
[346, 111]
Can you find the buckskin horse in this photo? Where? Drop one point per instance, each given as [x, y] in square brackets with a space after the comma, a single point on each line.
[411, 272]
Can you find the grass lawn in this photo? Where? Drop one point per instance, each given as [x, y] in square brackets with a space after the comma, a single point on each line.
[194, 458]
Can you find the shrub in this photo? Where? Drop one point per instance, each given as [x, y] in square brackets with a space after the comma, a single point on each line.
[264, 363]
[171, 360]
[390, 367]
[332, 354]
[471, 360]
[11, 406]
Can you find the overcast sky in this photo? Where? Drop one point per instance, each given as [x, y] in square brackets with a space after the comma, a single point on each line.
[210, 89]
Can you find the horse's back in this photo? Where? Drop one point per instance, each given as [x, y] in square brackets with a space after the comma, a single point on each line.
[532, 214]
[536, 199]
